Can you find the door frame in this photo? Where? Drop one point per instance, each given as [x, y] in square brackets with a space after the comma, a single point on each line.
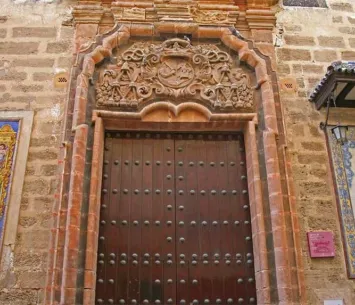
[126, 121]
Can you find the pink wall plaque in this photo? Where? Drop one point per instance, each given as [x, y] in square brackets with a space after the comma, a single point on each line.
[321, 244]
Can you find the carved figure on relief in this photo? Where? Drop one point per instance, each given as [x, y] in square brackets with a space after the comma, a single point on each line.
[173, 70]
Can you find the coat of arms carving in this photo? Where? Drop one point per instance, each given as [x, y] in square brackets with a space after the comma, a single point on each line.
[175, 70]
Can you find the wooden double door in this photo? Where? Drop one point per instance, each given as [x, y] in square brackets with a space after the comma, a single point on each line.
[175, 221]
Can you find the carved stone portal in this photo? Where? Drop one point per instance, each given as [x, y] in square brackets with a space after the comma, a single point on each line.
[177, 71]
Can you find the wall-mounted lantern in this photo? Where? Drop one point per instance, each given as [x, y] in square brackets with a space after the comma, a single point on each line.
[336, 89]
[339, 133]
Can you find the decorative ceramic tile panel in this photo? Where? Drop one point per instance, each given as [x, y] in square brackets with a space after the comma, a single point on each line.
[343, 158]
[8, 138]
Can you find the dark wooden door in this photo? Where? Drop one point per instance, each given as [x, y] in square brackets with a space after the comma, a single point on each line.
[175, 221]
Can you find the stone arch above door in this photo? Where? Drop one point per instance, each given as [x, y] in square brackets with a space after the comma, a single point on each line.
[223, 65]
[178, 71]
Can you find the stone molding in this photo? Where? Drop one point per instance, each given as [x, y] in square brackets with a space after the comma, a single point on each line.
[158, 11]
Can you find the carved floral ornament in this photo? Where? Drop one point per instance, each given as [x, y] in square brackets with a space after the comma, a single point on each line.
[175, 70]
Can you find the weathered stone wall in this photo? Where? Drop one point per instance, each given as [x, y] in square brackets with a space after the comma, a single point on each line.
[311, 40]
[33, 45]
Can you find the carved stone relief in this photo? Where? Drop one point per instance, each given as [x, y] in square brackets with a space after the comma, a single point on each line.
[175, 70]
[212, 16]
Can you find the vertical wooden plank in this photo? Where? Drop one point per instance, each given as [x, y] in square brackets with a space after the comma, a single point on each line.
[112, 251]
[104, 224]
[125, 220]
[209, 217]
[249, 283]
[193, 217]
[221, 211]
[157, 213]
[136, 214]
[182, 193]
[146, 208]
[168, 254]
[237, 217]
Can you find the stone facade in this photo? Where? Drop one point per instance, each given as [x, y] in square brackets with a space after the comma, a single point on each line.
[39, 39]
[33, 47]
[312, 38]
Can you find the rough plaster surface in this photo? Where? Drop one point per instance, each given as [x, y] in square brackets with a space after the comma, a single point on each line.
[312, 38]
[33, 46]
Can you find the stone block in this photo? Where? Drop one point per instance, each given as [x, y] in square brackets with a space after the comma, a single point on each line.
[283, 69]
[314, 188]
[293, 28]
[38, 32]
[14, 48]
[293, 54]
[325, 55]
[348, 55]
[31, 279]
[341, 6]
[297, 68]
[352, 42]
[27, 221]
[34, 260]
[43, 203]
[58, 47]
[18, 296]
[25, 99]
[304, 158]
[299, 40]
[318, 172]
[35, 239]
[34, 62]
[49, 169]
[351, 20]
[347, 30]
[36, 186]
[331, 41]
[338, 19]
[313, 146]
[50, 141]
[12, 75]
[42, 76]
[321, 223]
[3, 33]
[314, 131]
[64, 62]
[316, 69]
[27, 88]
[45, 154]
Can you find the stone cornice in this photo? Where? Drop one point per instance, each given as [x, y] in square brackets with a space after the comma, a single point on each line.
[88, 13]
[199, 12]
[260, 19]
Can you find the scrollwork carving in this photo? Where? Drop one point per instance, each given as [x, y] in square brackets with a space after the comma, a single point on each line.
[174, 69]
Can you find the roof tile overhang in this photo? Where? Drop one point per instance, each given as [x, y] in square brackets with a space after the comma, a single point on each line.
[340, 80]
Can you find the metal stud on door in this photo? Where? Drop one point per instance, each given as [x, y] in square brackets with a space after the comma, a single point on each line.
[175, 222]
